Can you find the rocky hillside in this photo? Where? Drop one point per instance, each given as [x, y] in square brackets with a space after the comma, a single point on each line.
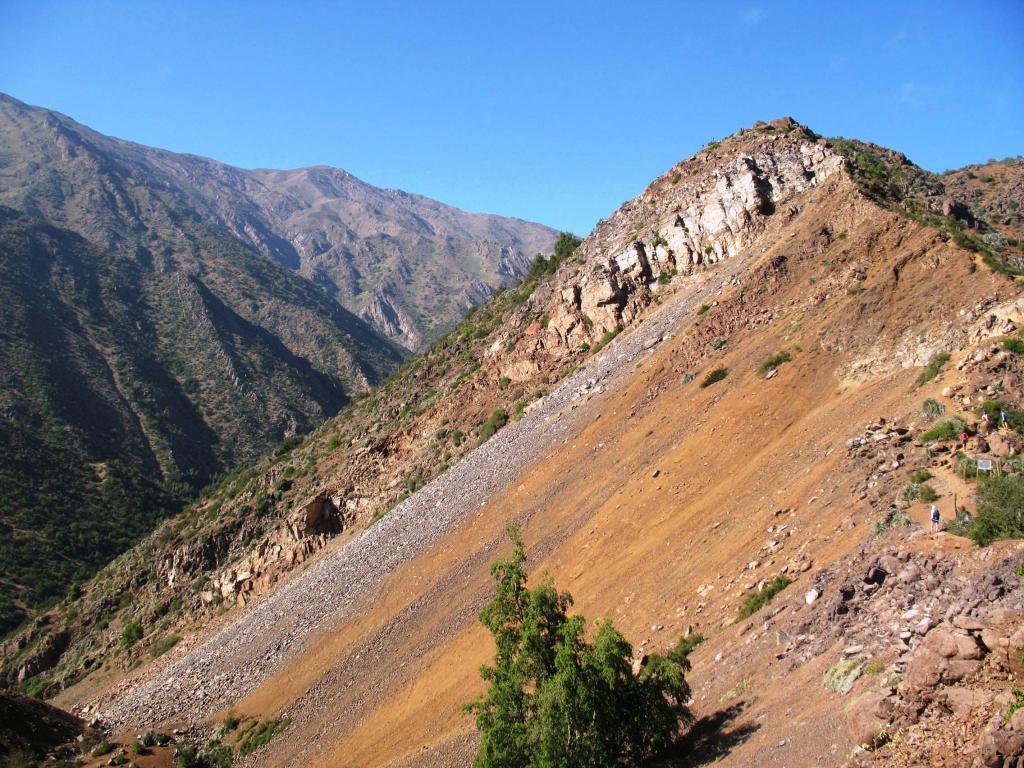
[156, 331]
[675, 412]
[994, 191]
[407, 265]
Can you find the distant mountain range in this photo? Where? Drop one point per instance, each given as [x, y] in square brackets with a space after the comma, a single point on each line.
[406, 264]
[164, 317]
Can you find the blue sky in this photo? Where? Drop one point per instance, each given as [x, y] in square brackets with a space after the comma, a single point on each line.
[551, 111]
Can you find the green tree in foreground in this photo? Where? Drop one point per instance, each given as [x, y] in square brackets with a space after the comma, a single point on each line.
[557, 701]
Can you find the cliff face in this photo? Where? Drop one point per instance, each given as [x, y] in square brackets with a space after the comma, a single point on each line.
[704, 210]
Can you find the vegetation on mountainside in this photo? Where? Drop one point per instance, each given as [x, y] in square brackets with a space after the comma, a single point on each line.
[931, 409]
[213, 754]
[1000, 510]
[557, 699]
[949, 429]
[755, 601]
[932, 369]
[258, 734]
[891, 180]
[1014, 345]
[714, 377]
[497, 420]
[127, 389]
[772, 363]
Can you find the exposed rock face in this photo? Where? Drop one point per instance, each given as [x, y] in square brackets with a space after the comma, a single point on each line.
[44, 656]
[702, 213]
[392, 321]
[303, 532]
[993, 190]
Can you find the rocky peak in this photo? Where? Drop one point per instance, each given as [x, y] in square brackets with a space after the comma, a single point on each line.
[704, 210]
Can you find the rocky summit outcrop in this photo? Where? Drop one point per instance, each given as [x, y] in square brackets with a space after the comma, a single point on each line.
[704, 210]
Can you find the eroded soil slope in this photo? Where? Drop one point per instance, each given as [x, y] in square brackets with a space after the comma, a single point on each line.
[664, 503]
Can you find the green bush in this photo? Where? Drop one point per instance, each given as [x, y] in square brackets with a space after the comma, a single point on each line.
[688, 644]
[773, 362]
[841, 677]
[702, 309]
[497, 420]
[715, 376]
[1000, 510]
[261, 734]
[131, 634]
[103, 748]
[212, 755]
[944, 430]
[757, 600]
[932, 408]
[163, 645]
[1017, 703]
[1014, 345]
[920, 476]
[607, 338]
[555, 699]
[932, 369]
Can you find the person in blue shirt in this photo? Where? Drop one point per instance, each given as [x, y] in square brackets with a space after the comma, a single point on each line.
[936, 517]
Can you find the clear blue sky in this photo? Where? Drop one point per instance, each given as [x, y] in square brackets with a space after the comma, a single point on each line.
[551, 111]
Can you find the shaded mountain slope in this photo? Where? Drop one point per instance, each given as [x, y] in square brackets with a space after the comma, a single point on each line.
[123, 389]
[159, 326]
[30, 729]
[655, 500]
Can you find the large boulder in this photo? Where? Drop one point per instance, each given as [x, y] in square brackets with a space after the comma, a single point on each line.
[1002, 742]
[1003, 445]
[869, 718]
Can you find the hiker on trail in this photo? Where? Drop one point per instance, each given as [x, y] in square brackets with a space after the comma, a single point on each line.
[936, 517]
[1004, 418]
[963, 438]
[988, 424]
